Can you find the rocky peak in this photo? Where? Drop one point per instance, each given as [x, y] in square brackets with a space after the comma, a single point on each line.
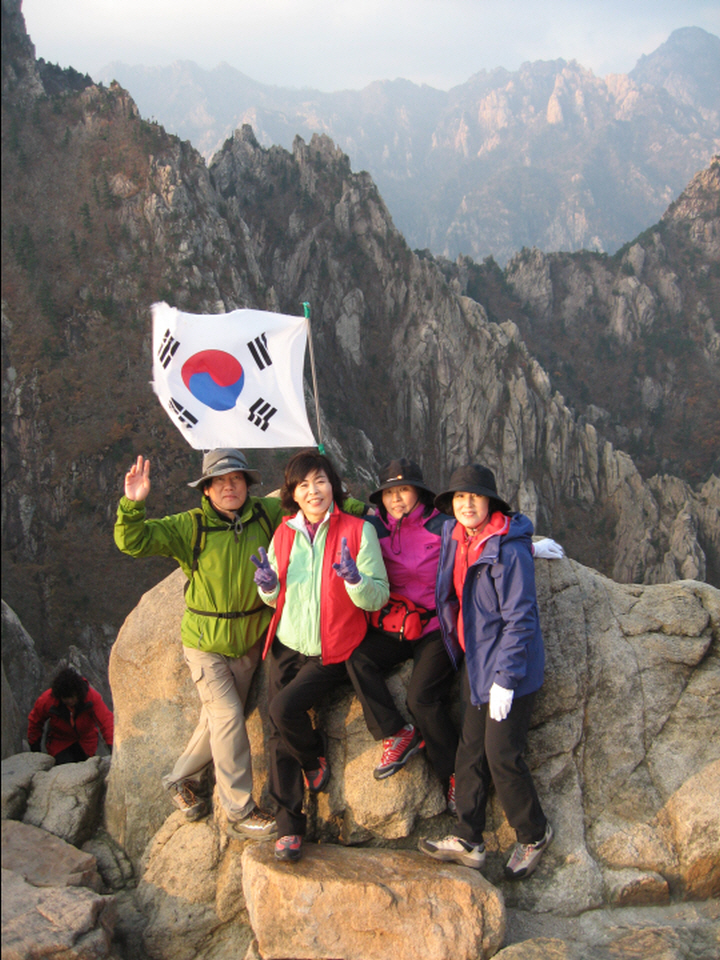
[699, 201]
[20, 75]
[687, 65]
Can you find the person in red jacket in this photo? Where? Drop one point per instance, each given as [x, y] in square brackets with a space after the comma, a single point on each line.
[75, 712]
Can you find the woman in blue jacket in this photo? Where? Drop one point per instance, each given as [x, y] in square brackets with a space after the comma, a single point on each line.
[487, 606]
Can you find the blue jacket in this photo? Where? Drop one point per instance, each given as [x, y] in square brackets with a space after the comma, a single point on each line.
[501, 623]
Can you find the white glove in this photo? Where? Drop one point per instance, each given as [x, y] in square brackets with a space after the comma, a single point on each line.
[500, 702]
[547, 549]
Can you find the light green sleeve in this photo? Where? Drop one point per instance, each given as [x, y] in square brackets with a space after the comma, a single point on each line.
[139, 537]
[373, 591]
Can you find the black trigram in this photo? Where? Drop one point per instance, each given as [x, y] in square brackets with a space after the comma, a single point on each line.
[258, 348]
[167, 350]
[183, 415]
[260, 413]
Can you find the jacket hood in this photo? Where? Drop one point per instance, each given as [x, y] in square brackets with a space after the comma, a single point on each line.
[521, 527]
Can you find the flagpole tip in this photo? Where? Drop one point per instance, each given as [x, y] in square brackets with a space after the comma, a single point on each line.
[306, 308]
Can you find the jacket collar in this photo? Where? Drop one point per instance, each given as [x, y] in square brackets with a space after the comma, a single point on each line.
[490, 537]
[298, 521]
[415, 517]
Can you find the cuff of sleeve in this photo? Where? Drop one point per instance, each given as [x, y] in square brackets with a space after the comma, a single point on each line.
[270, 596]
[505, 681]
[354, 586]
[130, 505]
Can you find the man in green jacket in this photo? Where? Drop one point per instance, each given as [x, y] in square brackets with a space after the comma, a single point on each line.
[222, 624]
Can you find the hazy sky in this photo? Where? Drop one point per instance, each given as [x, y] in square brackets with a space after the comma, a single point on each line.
[340, 44]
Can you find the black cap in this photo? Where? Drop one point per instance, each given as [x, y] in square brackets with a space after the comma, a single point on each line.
[399, 473]
[470, 479]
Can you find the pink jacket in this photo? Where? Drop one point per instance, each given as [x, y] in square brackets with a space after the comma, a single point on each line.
[411, 551]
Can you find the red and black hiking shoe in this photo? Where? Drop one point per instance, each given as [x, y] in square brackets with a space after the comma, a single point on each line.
[289, 847]
[397, 751]
[317, 780]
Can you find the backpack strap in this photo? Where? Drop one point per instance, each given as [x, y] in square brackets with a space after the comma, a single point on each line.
[260, 514]
[198, 531]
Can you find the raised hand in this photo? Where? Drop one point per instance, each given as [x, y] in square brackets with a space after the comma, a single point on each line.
[265, 577]
[347, 568]
[137, 480]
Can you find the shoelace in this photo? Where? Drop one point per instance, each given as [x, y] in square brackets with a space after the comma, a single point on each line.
[393, 744]
[187, 795]
[262, 816]
[292, 840]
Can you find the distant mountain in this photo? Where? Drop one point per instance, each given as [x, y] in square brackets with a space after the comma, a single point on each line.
[548, 156]
[687, 66]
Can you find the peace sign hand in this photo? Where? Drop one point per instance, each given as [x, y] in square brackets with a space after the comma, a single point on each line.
[347, 568]
[265, 577]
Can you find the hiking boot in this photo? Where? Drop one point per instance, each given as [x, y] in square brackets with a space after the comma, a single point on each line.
[185, 797]
[451, 805]
[526, 856]
[397, 751]
[289, 847]
[317, 780]
[257, 824]
[455, 850]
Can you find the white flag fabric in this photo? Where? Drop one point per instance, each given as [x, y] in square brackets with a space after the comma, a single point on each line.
[232, 379]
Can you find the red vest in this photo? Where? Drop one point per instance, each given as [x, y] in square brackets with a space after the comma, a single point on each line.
[342, 624]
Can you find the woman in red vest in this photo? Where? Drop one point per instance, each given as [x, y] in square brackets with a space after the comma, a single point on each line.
[323, 571]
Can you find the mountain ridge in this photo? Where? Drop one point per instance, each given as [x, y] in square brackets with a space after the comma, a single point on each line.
[585, 151]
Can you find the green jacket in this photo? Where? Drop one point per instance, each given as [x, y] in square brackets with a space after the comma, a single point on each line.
[224, 579]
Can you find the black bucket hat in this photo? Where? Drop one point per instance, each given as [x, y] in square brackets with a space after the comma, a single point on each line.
[399, 473]
[216, 463]
[470, 479]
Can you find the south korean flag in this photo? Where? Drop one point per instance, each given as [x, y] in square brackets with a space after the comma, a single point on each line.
[232, 379]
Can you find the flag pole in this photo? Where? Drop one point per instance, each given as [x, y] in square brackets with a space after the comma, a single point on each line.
[306, 308]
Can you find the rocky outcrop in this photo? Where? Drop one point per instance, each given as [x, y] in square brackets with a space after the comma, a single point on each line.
[67, 799]
[624, 750]
[685, 931]
[45, 860]
[18, 773]
[64, 800]
[307, 912]
[51, 904]
[22, 675]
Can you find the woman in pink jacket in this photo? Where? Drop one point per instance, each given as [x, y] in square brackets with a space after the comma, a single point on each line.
[409, 530]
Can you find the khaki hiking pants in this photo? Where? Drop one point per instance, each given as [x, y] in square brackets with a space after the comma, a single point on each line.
[220, 737]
